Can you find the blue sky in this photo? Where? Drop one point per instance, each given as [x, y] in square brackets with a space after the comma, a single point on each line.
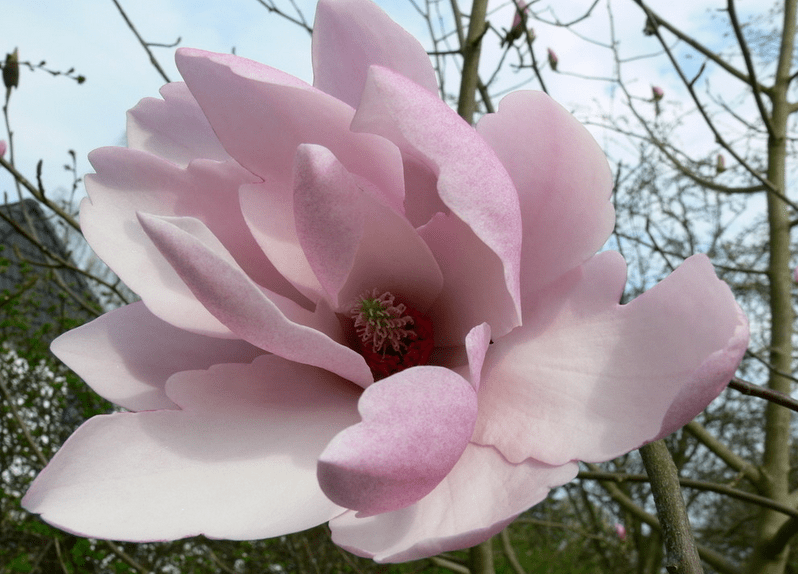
[51, 115]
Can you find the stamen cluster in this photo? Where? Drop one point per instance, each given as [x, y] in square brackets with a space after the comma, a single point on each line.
[379, 321]
[391, 336]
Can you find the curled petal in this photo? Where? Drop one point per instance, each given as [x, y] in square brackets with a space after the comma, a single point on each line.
[261, 318]
[128, 181]
[472, 182]
[590, 379]
[563, 182]
[173, 128]
[353, 241]
[474, 289]
[349, 36]
[218, 467]
[476, 344]
[127, 355]
[261, 115]
[415, 426]
[480, 496]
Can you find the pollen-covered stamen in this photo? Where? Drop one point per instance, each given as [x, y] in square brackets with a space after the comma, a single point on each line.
[391, 336]
[379, 322]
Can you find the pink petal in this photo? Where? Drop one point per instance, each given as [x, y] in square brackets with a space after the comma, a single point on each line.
[127, 355]
[474, 289]
[261, 115]
[481, 495]
[351, 35]
[471, 180]
[355, 243]
[476, 343]
[563, 181]
[128, 181]
[173, 128]
[259, 317]
[588, 379]
[415, 426]
[237, 462]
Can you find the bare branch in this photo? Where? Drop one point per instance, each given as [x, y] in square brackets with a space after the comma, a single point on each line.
[509, 553]
[711, 557]
[761, 392]
[299, 20]
[144, 44]
[657, 21]
[750, 65]
[38, 193]
[723, 452]
[682, 556]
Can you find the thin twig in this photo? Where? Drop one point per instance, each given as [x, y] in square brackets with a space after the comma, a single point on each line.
[509, 553]
[23, 427]
[738, 32]
[453, 566]
[39, 194]
[713, 558]
[761, 392]
[126, 558]
[659, 21]
[723, 452]
[619, 477]
[144, 44]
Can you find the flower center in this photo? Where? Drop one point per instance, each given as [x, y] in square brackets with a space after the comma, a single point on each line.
[391, 336]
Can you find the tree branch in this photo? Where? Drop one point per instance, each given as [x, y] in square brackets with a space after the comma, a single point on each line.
[766, 393]
[682, 557]
[723, 452]
[596, 474]
[466, 103]
[710, 556]
[750, 65]
[658, 20]
[144, 44]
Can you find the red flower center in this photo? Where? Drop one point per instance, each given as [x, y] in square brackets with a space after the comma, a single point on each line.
[391, 336]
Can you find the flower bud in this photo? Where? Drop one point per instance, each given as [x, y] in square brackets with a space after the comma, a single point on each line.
[517, 29]
[657, 93]
[720, 163]
[553, 59]
[11, 70]
[620, 531]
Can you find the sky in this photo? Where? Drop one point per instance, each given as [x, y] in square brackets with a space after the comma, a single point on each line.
[51, 115]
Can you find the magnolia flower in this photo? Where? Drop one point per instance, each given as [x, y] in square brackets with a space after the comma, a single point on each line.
[553, 59]
[357, 308]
